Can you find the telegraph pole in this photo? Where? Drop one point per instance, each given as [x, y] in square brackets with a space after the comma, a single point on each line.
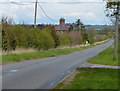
[35, 14]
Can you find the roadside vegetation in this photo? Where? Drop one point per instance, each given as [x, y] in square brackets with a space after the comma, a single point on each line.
[39, 54]
[16, 57]
[91, 78]
[16, 36]
[105, 57]
[43, 41]
[94, 78]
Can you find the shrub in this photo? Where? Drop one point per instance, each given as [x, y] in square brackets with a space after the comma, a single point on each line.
[43, 40]
[4, 41]
[91, 35]
[8, 39]
[55, 37]
[100, 37]
[91, 40]
[21, 36]
[64, 40]
[75, 37]
[48, 41]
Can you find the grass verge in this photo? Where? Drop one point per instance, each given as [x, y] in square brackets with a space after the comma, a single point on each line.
[91, 78]
[105, 58]
[39, 54]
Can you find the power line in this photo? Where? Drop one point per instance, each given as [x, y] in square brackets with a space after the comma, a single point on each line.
[46, 13]
[21, 3]
[71, 2]
[58, 2]
[35, 9]
[46, 2]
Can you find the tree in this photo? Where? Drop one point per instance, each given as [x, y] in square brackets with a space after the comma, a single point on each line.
[4, 41]
[8, 37]
[71, 28]
[112, 8]
[79, 25]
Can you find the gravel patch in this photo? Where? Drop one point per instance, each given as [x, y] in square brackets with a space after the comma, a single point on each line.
[98, 66]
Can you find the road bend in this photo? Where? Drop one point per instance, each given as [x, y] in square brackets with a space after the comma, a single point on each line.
[45, 73]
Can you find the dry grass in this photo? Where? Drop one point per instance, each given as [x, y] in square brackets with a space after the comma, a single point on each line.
[18, 51]
[101, 41]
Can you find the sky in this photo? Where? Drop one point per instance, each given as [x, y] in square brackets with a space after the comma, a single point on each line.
[91, 12]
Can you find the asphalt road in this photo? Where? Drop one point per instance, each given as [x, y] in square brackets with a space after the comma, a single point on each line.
[45, 73]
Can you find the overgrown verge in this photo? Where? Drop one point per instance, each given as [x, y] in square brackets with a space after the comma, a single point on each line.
[39, 54]
[16, 57]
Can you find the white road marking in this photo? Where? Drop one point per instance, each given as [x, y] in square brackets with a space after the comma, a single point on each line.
[68, 71]
[13, 70]
[52, 84]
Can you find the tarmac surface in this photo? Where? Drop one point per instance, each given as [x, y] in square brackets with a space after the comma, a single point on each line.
[45, 73]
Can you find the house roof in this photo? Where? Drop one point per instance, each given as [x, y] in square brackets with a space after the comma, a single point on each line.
[61, 27]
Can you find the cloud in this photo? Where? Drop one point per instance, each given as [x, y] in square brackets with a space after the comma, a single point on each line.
[85, 11]
[88, 14]
[55, 1]
[71, 1]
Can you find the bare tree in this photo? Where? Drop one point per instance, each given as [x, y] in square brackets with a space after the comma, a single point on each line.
[112, 9]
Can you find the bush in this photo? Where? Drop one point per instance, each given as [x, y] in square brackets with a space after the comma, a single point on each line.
[91, 35]
[8, 39]
[100, 37]
[64, 40]
[43, 40]
[23, 37]
[48, 41]
[55, 37]
[4, 41]
[75, 38]
[84, 37]
[91, 40]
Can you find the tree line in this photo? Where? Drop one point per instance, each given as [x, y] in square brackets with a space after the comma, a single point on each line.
[20, 36]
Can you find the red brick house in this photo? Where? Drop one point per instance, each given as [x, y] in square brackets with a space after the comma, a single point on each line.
[62, 27]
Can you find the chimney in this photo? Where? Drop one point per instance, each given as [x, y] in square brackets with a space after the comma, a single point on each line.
[62, 21]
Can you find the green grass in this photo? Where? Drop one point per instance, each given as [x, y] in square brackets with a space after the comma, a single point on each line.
[93, 78]
[39, 54]
[105, 58]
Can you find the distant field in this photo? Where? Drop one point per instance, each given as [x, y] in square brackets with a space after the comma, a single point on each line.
[105, 58]
[91, 78]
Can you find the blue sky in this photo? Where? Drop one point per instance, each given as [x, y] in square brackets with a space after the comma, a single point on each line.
[89, 11]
